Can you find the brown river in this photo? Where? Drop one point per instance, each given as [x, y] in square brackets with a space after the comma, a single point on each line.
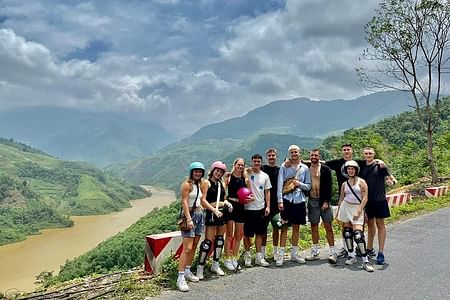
[21, 262]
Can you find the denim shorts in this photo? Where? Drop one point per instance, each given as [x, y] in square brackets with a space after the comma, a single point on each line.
[199, 225]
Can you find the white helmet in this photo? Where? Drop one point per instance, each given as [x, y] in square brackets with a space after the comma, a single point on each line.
[351, 163]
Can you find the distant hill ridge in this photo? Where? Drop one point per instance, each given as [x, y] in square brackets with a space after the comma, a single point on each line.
[305, 117]
[99, 138]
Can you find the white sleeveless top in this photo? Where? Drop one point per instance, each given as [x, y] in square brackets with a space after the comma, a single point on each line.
[349, 197]
[193, 194]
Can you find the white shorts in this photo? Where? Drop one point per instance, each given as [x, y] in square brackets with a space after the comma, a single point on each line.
[346, 213]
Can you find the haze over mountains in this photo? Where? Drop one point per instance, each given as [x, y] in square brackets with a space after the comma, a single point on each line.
[111, 138]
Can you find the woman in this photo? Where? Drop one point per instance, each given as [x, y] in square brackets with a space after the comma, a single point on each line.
[235, 223]
[215, 204]
[192, 190]
[352, 200]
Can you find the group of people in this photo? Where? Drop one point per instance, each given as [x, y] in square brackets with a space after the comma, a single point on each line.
[287, 196]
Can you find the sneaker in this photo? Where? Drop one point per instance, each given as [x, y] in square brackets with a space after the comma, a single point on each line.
[368, 267]
[380, 259]
[199, 272]
[261, 261]
[247, 260]
[279, 261]
[191, 277]
[275, 256]
[313, 256]
[236, 265]
[215, 268]
[350, 260]
[332, 258]
[342, 253]
[371, 253]
[182, 284]
[297, 259]
[228, 264]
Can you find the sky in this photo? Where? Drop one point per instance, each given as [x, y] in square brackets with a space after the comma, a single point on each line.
[179, 63]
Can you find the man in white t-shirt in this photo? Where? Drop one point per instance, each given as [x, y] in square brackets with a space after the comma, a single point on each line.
[256, 212]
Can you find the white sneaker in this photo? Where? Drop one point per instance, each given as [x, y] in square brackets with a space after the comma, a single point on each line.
[368, 267]
[191, 277]
[215, 268]
[247, 260]
[199, 272]
[260, 261]
[332, 258]
[279, 261]
[228, 264]
[313, 256]
[182, 284]
[275, 256]
[350, 260]
[297, 258]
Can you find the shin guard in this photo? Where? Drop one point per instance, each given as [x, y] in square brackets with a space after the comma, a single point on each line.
[348, 238]
[218, 246]
[205, 247]
[360, 242]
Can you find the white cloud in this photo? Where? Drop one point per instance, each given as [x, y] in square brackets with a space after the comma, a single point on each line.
[183, 64]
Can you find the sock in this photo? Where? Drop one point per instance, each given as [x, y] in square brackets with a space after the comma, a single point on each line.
[294, 250]
[247, 253]
[263, 250]
[332, 250]
[187, 269]
[180, 274]
[365, 259]
[281, 252]
[275, 249]
[315, 247]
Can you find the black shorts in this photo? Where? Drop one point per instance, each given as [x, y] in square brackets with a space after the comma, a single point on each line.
[212, 220]
[377, 209]
[255, 222]
[294, 213]
[238, 213]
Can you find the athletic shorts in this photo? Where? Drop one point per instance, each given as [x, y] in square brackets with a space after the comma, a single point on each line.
[212, 220]
[294, 213]
[346, 213]
[237, 215]
[199, 225]
[377, 209]
[255, 222]
[315, 212]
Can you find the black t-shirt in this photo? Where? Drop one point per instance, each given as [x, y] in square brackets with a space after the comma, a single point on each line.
[234, 185]
[337, 165]
[375, 179]
[272, 171]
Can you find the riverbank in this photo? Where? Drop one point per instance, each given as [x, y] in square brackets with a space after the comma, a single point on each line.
[21, 262]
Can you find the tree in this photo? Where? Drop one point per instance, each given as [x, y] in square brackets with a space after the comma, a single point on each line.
[409, 44]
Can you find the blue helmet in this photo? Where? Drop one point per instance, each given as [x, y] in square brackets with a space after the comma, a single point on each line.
[196, 166]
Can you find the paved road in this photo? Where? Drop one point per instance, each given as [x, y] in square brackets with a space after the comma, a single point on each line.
[418, 256]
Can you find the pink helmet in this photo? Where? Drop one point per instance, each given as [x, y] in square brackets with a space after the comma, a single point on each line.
[219, 165]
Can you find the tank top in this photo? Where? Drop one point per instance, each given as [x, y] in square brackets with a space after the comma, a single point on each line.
[234, 185]
[349, 197]
[193, 194]
[211, 195]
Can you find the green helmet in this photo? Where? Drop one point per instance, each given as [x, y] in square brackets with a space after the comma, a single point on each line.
[277, 221]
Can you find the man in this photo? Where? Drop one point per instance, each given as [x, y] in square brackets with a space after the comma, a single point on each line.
[319, 205]
[377, 208]
[256, 212]
[291, 203]
[272, 170]
[337, 165]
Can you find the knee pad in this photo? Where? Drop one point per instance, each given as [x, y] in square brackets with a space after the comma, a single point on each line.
[205, 247]
[348, 238]
[218, 246]
[360, 241]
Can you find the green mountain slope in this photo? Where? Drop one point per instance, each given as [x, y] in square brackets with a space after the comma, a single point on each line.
[305, 117]
[33, 181]
[168, 166]
[99, 138]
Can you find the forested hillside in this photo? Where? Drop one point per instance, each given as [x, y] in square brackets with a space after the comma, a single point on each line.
[39, 191]
[168, 166]
[398, 141]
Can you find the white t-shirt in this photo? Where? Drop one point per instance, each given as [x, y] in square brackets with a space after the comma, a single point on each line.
[259, 182]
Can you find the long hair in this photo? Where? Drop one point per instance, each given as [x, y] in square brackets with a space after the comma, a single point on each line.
[234, 165]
